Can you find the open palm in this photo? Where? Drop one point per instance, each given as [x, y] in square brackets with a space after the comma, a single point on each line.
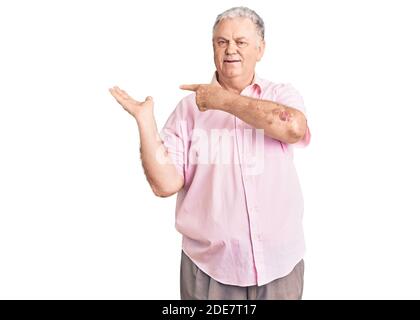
[132, 106]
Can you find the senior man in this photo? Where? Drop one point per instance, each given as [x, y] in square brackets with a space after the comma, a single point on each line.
[240, 216]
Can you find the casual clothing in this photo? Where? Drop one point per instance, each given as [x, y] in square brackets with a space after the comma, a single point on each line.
[240, 210]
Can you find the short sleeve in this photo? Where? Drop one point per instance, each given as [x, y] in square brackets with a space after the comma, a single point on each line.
[174, 137]
[287, 95]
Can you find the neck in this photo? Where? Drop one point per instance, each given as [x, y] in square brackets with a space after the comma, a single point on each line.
[235, 85]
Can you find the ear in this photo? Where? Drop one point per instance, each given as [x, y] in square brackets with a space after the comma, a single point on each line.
[261, 50]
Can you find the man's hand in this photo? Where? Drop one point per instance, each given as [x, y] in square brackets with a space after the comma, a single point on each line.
[208, 96]
[133, 107]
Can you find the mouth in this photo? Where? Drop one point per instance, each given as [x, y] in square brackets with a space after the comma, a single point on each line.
[231, 61]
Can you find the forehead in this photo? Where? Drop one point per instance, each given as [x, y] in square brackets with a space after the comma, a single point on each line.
[235, 28]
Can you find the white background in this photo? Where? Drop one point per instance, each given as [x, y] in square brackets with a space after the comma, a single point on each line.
[77, 217]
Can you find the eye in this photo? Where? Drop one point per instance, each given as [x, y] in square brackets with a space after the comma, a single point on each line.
[221, 43]
[241, 43]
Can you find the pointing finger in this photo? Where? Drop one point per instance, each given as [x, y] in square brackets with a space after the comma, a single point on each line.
[191, 87]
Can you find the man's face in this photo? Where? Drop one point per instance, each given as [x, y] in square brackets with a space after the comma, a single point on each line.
[237, 48]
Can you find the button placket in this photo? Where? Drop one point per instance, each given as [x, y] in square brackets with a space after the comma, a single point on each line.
[252, 208]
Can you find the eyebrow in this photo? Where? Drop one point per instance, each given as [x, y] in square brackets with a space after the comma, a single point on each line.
[236, 39]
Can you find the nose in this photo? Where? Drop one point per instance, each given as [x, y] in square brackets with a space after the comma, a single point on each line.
[231, 48]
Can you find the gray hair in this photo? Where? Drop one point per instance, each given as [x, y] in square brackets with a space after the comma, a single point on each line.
[242, 12]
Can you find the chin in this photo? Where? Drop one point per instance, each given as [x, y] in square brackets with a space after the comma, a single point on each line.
[231, 73]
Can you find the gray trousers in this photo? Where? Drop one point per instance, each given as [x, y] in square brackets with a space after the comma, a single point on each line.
[197, 285]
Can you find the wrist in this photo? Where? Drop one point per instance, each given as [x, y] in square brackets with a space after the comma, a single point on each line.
[228, 100]
[144, 116]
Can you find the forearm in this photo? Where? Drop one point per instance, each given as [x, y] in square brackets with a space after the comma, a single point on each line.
[278, 121]
[158, 167]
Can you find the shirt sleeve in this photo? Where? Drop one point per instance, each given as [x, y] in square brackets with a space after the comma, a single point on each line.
[174, 137]
[287, 95]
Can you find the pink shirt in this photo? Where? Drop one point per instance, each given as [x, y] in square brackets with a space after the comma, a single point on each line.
[240, 210]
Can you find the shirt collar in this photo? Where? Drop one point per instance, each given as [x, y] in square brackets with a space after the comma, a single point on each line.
[256, 81]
